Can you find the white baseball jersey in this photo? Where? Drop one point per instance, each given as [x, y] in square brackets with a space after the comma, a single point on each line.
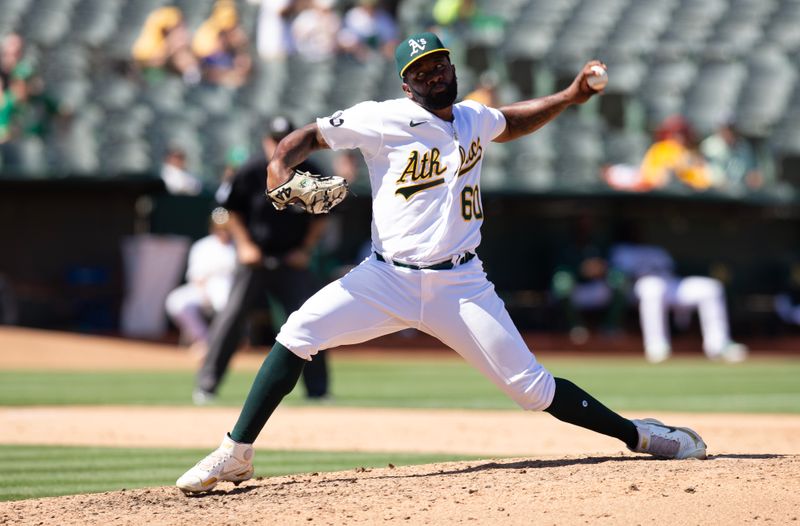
[424, 174]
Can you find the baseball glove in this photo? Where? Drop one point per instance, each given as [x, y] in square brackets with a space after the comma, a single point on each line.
[316, 194]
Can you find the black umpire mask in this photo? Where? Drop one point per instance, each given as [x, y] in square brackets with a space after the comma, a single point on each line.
[436, 101]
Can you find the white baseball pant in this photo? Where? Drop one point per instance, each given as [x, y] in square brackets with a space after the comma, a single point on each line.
[657, 294]
[189, 304]
[458, 306]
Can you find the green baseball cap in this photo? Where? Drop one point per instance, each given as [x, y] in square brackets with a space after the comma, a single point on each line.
[414, 48]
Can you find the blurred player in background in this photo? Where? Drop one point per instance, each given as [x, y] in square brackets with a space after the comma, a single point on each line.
[274, 252]
[787, 301]
[659, 290]
[583, 282]
[176, 175]
[209, 276]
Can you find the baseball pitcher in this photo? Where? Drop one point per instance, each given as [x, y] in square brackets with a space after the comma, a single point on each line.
[424, 154]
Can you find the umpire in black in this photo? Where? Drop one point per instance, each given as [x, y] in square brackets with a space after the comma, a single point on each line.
[274, 250]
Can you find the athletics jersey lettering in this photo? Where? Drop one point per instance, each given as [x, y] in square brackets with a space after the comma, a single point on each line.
[419, 169]
[422, 168]
[470, 158]
[408, 191]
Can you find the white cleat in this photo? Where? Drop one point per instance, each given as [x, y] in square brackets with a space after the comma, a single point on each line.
[231, 462]
[665, 441]
[657, 353]
[732, 353]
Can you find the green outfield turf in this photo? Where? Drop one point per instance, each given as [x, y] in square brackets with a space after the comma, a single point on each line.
[691, 384]
[38, 471]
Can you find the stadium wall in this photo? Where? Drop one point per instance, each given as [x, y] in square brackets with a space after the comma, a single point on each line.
[61, 243]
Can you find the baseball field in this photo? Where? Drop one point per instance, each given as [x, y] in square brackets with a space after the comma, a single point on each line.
[96, 430]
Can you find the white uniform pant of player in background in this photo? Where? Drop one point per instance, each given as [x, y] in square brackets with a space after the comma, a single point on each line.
[190, 304]
[458, 306]
[657, 294]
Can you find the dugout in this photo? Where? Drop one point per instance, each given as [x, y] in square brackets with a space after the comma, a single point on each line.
[61, 243]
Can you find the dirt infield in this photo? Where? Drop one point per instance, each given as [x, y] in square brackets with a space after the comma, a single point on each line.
[563, 475]
[570, 490]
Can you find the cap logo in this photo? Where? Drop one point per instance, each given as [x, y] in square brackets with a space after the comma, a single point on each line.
[417, 46]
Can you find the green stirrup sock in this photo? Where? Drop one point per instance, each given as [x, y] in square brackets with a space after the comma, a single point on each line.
[276, 378]
[574, 405]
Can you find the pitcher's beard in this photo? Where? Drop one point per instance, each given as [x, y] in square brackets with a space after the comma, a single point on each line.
[437, 101]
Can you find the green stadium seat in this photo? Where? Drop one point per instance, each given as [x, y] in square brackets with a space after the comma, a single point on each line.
[94, 22]
[766, 92]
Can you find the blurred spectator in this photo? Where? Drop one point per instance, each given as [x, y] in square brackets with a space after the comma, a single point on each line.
[274, 252]
[175, 175]
[673, 160]
[12, 63]
[450, 12]
[222, 47]
[368, 28]
[486, 90]
[27, 112]
[732, 159]
[209, 276]
[583, 282]
[787, 303]
[273, 34]
[315, 31]
[164, 45]
[6, 112]
[658, 290]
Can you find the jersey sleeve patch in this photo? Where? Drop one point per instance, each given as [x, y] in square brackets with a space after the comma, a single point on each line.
[359, 126]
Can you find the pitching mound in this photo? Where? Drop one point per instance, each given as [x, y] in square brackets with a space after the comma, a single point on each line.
[620, 489]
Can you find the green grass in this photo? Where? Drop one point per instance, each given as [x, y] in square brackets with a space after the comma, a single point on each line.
[759, 385]
[43, 471]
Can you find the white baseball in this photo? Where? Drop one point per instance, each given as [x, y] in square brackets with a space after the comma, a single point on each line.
[598, 79]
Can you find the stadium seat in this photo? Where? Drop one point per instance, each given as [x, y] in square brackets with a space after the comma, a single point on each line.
[47, 22]
[94, 22]
[690, 25]
[25, 156]
[165, 95]
[263, 91]
[711, 99]
[194, 11]
[580, 150]
[125, 158]
[625, 147]
[131, 19]
[214, 100]
[11, 14]
[114, 91]
[68, 60]
[766, 92]
[639, 27]
[782, 28]
[75, 149]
